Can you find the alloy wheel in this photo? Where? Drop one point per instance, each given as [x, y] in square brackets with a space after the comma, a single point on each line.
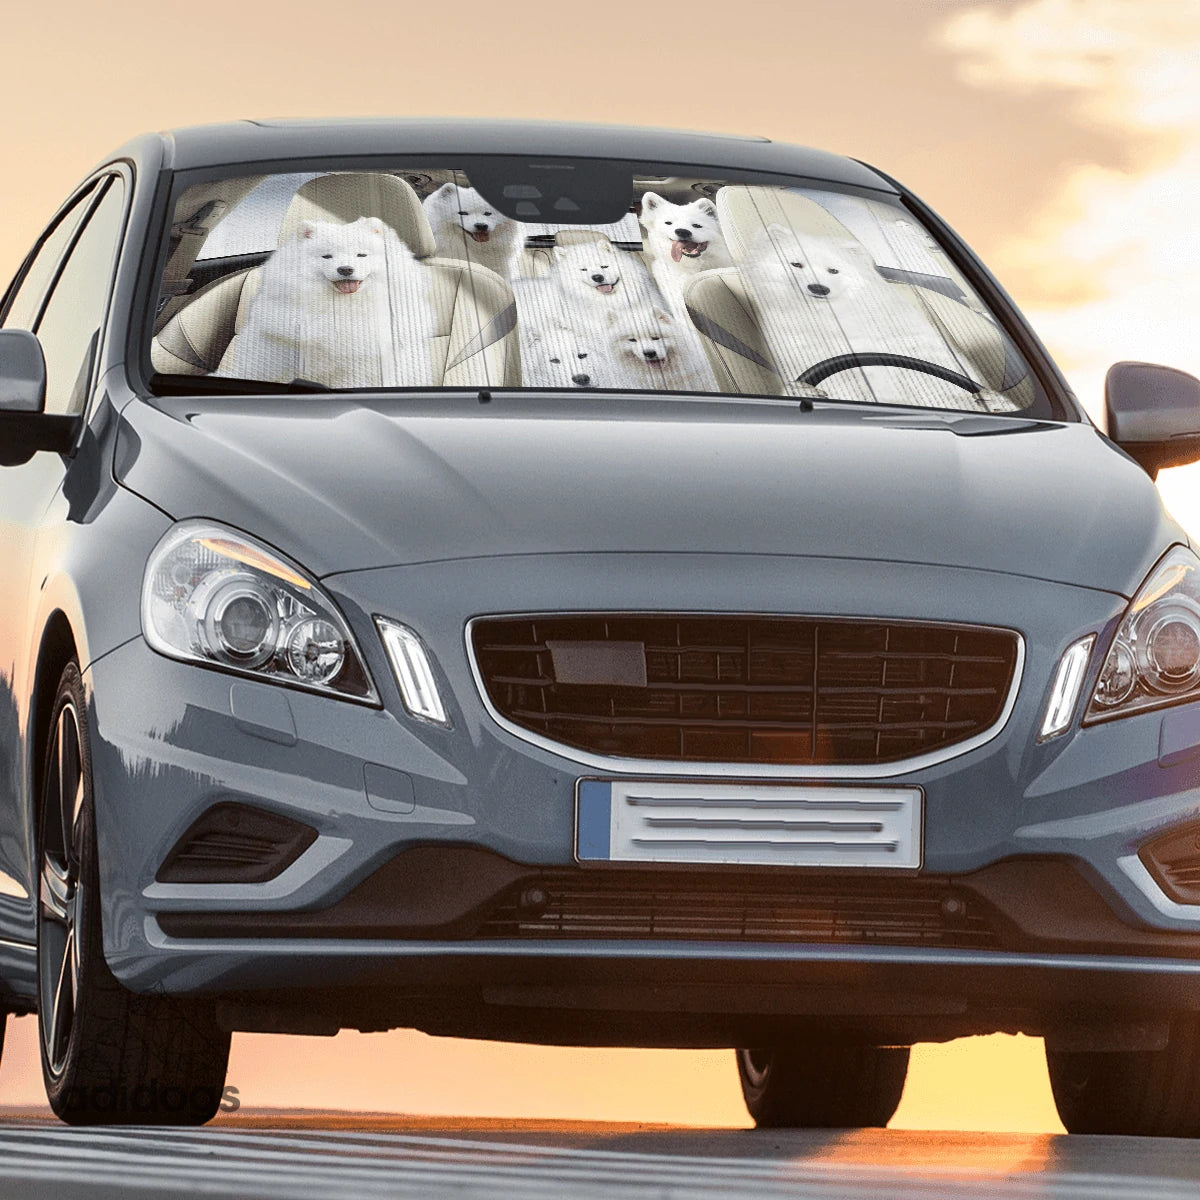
[60, 894]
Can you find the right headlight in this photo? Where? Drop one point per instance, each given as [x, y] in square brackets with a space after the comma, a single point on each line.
[1154, 659]
[214, 596]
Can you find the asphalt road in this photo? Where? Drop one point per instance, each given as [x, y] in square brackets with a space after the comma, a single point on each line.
[327, 1156]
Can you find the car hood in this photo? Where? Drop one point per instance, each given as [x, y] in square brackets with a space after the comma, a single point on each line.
[341, 485]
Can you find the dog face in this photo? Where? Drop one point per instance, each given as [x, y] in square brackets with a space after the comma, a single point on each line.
[690, 228]
[822, 269]
[647, 335]
[474, 215]
[588, 265]
[343, 255]
[558, 358]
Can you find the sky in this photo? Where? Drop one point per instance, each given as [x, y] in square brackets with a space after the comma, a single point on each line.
[1061, 138]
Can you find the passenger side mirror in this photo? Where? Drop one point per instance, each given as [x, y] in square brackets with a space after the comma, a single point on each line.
[24, 427]
[1153, 414]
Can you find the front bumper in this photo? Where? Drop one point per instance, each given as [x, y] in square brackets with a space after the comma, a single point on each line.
[170, 740]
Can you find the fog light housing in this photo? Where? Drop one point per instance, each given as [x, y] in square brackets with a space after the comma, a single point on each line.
[1173, 861]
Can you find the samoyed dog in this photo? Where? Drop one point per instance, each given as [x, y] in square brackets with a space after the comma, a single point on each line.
[595, 280]
[467, 226]
[343, 305]
[650, 354]
[681, 240]
[817, 297]
[556, 357]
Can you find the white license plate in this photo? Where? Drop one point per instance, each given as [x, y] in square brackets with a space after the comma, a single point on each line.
[759, 824]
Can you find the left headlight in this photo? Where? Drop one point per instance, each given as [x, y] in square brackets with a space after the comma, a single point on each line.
[1154, 659]
[213, 595]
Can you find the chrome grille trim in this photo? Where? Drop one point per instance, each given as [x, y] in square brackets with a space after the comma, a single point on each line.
[743, 770]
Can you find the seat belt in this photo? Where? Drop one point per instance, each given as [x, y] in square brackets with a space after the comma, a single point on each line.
[187, 236]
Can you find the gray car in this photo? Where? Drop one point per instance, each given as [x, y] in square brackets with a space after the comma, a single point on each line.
[587, 586]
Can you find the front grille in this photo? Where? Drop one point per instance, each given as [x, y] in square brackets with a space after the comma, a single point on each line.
[616, 904]
[739, 689]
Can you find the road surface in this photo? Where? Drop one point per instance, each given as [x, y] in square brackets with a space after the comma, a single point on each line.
[327, 1156]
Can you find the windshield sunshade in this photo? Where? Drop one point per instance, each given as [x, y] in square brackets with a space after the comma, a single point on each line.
[422, 277]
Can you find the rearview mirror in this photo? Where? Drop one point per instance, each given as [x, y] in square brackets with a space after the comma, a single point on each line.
[24, 427]
[1153, 414]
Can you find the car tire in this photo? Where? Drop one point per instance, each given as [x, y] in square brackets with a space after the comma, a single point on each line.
[1146, 1093]
[823, 1087]
[109, 1056]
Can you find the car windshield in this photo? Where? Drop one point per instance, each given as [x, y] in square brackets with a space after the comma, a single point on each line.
[577, 276]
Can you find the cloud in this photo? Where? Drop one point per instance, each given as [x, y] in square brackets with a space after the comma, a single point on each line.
[1131, 64]
[1112, 268]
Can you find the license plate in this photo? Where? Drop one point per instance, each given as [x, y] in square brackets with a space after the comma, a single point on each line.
[755, 824]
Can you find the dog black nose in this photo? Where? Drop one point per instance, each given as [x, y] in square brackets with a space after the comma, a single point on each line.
[345, 270]
[482, 226]
[683, 235]
[582, 380]
[650, 353]
[818, 289]
[597, 278]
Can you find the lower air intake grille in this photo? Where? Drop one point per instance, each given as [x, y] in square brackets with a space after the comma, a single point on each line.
[742, 689]
[615, 904]
[236, 843]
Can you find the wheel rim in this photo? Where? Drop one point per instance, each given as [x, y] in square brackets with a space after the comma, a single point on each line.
[59, 891]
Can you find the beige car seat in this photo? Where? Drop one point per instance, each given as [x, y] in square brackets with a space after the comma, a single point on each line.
[725, 312]
[473, 342]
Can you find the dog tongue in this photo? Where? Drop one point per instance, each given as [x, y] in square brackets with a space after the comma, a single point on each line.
[480, 237]
[604, 287]
[347, 285]
[676, 251]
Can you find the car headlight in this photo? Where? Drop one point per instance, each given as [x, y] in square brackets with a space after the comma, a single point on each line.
[213, 595]
[1154, 659]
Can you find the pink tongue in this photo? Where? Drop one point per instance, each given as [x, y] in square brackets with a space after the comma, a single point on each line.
[347, 285]
[676, 251]
[604, 287]
[480, 237]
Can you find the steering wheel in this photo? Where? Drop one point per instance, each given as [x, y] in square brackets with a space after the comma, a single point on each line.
[822, 370]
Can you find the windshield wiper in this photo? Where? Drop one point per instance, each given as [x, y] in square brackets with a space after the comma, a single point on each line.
[221, 385]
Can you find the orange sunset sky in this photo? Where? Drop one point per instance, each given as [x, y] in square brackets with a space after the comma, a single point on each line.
[1060, 137]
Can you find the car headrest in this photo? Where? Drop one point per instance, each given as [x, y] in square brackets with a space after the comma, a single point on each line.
[578, 237]
[745, 210]
[344, 197]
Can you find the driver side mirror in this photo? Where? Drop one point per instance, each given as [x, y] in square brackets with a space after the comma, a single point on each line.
[24, 427]
[1153, 414]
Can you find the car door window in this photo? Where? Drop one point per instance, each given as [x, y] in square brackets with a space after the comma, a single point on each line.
[69, 328]
[26, 300]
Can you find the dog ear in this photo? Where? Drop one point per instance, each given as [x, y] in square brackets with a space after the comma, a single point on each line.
[375, 225]
[445, 190]
[707, 207]
[306, 229]
[662, 316]
[651, 201]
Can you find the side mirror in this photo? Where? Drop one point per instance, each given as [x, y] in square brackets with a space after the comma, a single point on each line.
[1153, 414]
[24, 427]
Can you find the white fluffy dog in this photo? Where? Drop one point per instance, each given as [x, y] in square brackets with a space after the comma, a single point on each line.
[681, 240]
[556, 357]
[466, 226]
[650, 354]
[595, 281]
[343, 305]
[817, 298]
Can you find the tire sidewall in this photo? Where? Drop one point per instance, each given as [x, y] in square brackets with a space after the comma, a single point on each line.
[89, 941]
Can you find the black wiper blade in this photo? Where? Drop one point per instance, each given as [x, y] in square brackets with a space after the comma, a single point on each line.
[221, 385]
